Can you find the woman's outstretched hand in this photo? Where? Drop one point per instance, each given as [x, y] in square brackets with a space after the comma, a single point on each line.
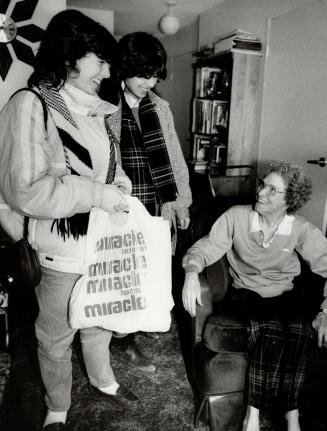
[191, 294]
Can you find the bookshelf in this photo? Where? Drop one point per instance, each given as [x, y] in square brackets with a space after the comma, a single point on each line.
[210, 113]
[224, 107]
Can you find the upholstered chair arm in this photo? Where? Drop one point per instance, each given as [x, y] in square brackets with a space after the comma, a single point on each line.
[214, 282]
[202, 312]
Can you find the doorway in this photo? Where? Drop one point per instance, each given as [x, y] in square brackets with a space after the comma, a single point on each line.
[294, 111]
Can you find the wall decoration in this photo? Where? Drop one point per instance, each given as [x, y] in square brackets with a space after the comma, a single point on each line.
[15, 34]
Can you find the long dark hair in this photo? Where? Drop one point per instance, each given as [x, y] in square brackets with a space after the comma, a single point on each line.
[69, 36]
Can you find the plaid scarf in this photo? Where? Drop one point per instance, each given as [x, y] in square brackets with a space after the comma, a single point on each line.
[77, 157]
[144, 156]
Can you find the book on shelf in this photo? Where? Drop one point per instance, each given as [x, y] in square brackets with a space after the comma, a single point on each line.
[236, 43]
[209, 115]
[239, 33]
[247, 44]
[201, 115]
[200, 166]
[247, 51]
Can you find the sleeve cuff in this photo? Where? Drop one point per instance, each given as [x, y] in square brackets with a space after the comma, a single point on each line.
[97, 194]
[192, 266]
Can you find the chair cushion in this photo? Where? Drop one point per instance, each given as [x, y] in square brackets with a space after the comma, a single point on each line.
[226, 412]
[219, 373]
[224, 334]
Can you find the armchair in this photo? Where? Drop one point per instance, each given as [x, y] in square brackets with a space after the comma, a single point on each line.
[219, 364]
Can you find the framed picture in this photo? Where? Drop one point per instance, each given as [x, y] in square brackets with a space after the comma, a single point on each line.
[219, 115]
[201, 148]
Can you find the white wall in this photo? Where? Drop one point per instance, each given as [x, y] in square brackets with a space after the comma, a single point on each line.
[19, 72]
[249, 15]
[104, 17]
[177, 88]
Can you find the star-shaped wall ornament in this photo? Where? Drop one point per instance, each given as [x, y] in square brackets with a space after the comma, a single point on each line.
[10, 29]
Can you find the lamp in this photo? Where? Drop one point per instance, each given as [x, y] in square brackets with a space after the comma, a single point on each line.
[169, 24]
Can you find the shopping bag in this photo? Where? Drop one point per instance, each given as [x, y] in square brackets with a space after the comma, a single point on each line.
[126, 286]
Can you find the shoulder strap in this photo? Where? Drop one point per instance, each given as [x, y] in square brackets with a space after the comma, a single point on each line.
[25, 230]
[44, 106]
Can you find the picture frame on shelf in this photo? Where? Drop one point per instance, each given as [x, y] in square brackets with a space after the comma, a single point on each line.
[207, 81]
[201, 147]
[219, 115]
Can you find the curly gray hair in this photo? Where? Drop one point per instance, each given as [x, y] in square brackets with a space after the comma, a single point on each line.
[298, 186]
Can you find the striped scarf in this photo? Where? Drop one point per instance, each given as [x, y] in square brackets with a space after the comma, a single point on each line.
[144, 156]
[77, 157]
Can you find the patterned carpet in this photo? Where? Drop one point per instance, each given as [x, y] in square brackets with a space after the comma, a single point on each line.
[167, 402]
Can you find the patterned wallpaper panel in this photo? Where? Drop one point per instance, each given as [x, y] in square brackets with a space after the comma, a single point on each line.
[22, 11]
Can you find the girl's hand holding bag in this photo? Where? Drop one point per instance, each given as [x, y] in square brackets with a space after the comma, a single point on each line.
[127, 282]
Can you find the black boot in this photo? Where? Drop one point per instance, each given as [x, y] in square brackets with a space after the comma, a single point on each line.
[126, 350]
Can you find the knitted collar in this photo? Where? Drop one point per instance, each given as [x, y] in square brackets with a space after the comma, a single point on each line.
[82, 103]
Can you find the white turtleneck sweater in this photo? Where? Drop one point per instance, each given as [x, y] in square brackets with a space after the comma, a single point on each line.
[88, 112]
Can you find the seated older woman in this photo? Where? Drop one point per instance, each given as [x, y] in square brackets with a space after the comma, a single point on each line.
[262, 245]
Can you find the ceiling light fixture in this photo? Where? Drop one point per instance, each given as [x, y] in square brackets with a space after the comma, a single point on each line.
[169, 24]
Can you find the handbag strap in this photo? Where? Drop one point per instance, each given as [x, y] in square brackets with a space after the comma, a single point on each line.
[44, 106]
[25, 230]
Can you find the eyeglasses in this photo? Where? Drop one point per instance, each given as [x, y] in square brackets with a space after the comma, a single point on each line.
[270, 189]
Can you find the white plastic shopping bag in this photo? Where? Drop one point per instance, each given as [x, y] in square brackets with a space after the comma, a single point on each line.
[127, 283]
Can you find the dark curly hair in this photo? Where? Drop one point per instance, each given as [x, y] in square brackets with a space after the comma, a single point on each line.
[141, 55]
[69, 36]
[298, 186]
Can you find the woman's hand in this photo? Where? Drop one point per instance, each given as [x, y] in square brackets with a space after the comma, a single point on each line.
[124, 190]
[183, 217]
[123, 183]
[183, 222]
[320, 324]
[191, 294]
[113, 200]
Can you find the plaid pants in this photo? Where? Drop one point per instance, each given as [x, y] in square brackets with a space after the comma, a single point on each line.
[279, 336]
[277, 358]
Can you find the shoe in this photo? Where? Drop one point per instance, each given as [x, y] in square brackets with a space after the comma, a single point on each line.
[131, 355]
[123, 397]
[55, 426]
